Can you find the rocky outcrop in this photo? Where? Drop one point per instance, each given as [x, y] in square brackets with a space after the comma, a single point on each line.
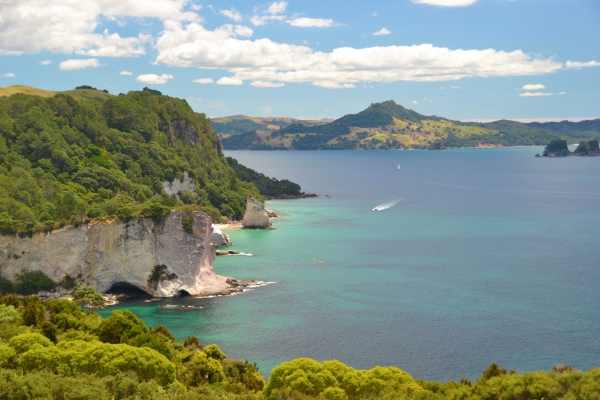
[559, 148]
[116, 253]
[173, 188]
[220, 238]
[590, 148]
[255, 215]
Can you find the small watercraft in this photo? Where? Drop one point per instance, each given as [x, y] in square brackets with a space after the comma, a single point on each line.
[398, 166]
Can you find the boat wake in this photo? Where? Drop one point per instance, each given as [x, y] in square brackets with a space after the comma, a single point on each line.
[387, 205]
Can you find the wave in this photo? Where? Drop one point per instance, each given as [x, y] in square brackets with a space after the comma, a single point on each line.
[387, 205]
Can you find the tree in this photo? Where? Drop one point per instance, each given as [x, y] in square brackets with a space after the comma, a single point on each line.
[9, 315]
[31, 282]
[88, 297]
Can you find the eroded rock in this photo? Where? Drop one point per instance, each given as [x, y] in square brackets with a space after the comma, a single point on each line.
[255, 215]
[220, 238]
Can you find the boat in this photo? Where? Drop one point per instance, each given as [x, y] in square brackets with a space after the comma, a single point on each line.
[398, 166]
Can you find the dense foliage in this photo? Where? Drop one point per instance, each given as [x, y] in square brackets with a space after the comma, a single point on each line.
[54, 350]
[28, 282]
[266, 186]
[63, 161]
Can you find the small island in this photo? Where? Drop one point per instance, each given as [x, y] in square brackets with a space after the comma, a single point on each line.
[559, 148]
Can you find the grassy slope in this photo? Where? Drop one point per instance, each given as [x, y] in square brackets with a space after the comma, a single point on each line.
[79, 94]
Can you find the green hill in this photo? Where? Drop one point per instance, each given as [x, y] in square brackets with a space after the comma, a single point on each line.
[78, 94]
[240, 124]
[388, 125]
[67, 161]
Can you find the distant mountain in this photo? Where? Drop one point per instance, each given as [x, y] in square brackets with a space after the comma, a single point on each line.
[388, 125]
[240, 124]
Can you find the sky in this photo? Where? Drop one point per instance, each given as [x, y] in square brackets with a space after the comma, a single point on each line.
[460, 59]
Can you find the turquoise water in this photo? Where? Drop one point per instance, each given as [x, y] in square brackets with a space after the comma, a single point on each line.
[490, 255]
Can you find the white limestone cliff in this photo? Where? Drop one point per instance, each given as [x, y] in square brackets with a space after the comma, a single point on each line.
[108, 253]
[220, 238]
[255, 215]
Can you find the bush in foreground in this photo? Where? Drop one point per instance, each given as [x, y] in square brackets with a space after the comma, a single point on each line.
[54, 350]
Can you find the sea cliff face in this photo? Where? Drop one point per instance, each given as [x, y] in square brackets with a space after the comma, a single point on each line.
[108, 253]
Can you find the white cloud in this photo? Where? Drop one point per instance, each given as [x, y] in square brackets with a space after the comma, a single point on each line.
[533, 86]
[125, 73]
[374, 14]
[577, 64]
[196, 7]
[277, 7]
[267, 110]
[9, 75]
[67, 26]
[535, 94]
[46, 62]
[264, 19]
[335, 85]
[311, 22]
[265, 84]
[203, 81]
[446, 3]
[562, 93]
[382, 31]
[153, 79]
[415, 102]
[455, 87]
[227, 80]
[70, 65]
[233, 14]
[265, 60]
[441, 88]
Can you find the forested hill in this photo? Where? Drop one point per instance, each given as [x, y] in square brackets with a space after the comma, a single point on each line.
[63, 160]
[388, 125]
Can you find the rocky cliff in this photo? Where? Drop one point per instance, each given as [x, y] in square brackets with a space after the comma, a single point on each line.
[112, 253]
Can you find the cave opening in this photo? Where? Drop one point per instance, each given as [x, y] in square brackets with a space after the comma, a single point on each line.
[184, 293]
[125, 288]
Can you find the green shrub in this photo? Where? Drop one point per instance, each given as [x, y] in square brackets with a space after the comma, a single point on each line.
[25, 342]
[9, 315]
[192, 343]
[147, 340]
[32, 282]
[6, 286]
[188, 224]
[213, 351]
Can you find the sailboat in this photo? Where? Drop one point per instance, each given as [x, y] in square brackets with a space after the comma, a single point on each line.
[398, 166]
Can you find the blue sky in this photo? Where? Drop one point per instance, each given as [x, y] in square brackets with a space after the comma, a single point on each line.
[461, 59]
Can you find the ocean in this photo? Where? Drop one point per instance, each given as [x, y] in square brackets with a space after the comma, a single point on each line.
[489, 255]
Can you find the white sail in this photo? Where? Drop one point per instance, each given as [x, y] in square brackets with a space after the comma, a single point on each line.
[398, 166]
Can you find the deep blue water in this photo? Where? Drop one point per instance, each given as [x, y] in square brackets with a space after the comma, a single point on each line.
[491, 256]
